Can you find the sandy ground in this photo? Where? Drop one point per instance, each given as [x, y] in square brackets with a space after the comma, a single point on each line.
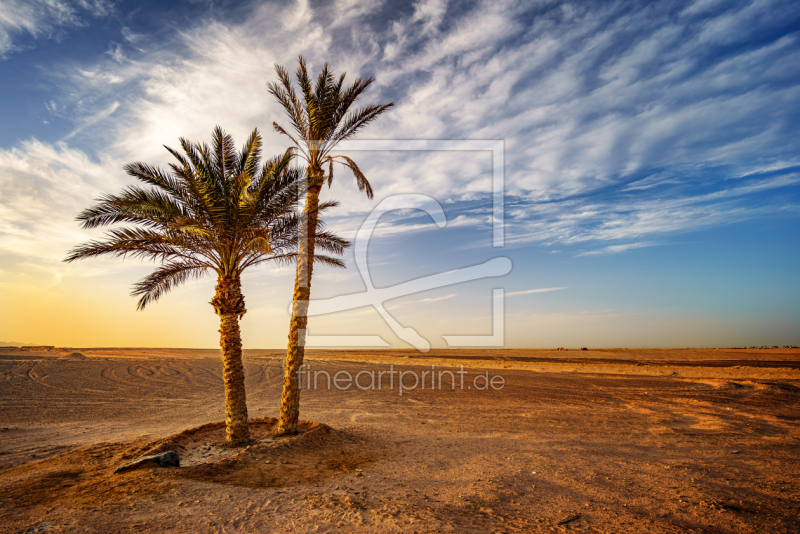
[615, 440]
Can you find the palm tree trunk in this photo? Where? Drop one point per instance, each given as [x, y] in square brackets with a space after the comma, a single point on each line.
[229, 305]
[290, 400]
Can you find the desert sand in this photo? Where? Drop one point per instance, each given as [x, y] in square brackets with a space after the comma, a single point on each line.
[619, 440]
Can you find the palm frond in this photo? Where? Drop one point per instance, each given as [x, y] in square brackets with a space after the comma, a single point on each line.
[327, 204]
[289, 258]
[224, 155]
[286, 96]
[164, 279]
[346, 99]
[134, 205]
[355, 121]
[361, 180]
[143, 243]
[330, 242]
[250, 155]
[259, 245]
[156, 177]
[329, 261]
[278, 128]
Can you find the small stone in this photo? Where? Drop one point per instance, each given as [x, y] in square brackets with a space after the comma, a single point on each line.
[569, 519]
[166, 459]
[268, 461]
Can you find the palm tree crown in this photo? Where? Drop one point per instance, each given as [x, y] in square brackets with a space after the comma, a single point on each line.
[324, 118]
[217, 210]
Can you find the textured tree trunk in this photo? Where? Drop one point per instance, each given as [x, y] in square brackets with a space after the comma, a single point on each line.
[290, 400]
[229, 305]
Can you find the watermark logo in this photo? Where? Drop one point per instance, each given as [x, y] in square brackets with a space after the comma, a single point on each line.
[376, 297]
[402, 380]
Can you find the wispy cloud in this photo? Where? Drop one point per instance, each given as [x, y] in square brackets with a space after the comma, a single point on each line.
[91, 120]
[116, 53]
[131, 36]
[44, 18]
[425, 300]
[649, 213]
[42, 188]
[613, 249]
[531, 291]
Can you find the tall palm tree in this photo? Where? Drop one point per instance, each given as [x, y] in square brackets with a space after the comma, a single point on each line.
[320, 120]
[218, 210]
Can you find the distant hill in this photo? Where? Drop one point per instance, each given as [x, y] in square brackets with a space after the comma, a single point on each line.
[15, 344]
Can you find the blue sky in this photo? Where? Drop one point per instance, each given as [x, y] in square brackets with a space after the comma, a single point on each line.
[652, 167]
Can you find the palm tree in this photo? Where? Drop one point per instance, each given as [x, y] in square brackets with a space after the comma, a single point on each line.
[319, 121]
[218, 210]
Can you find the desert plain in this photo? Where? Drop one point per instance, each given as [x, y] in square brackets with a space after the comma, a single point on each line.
[614, 440]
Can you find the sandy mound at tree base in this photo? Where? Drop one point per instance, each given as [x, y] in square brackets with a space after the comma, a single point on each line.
[316, 452]
[85, 476]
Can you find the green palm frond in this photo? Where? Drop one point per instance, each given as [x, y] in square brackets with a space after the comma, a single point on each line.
[279, 129]
[144, 206]
[156, 177]
[329, 261]
[289, 258]
[361, 180]
[327, 204]
[140, 243]
[353, 122]
[330, 242]
[287, 97]
[224, 156]
[165, 278]
[250, 155]
[259, 245]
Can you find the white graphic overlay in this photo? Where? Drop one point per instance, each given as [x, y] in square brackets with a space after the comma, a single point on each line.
[376, 297]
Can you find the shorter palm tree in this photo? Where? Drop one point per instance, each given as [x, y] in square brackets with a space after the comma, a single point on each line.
[218, 210]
